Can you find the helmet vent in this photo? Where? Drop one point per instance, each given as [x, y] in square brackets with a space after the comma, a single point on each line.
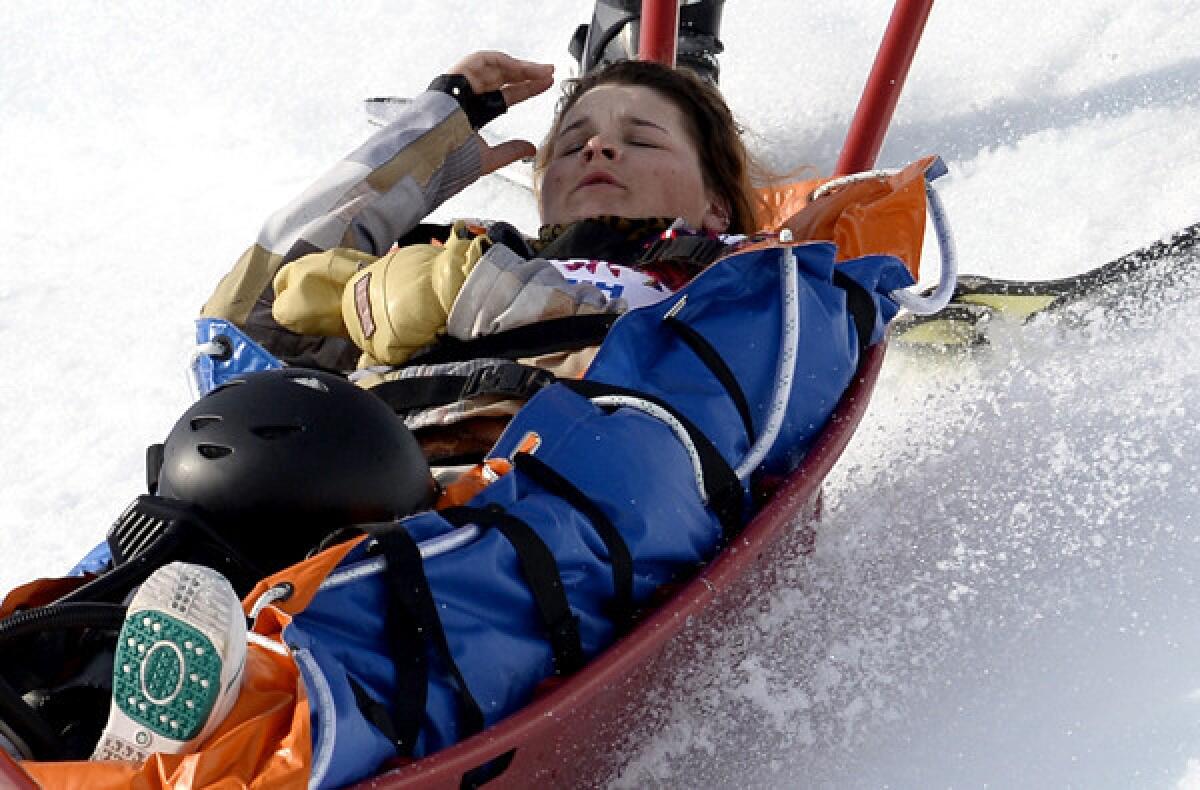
[312, 382]
[276, 431]
[199, 423]
[214, 451]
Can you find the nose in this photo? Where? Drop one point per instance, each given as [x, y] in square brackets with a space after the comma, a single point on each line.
[599, 146]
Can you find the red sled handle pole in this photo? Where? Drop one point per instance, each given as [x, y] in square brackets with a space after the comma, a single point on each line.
[884, 83]
[658, 41]
[659, 37]
[12, 776]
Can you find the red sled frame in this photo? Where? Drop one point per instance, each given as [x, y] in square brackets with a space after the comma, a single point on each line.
[568, 735]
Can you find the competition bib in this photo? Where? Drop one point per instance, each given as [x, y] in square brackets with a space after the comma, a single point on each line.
[637, 288]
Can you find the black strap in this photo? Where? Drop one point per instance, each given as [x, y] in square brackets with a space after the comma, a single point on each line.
[507, 379]
[619, 557]
[724, 491]
[408, 646]
[716, 365]
[569, 333]
[374, 711]
[861, 306]
[413, 626]
[611, 239]
[540, 570]
[695, 251]
[479, 107]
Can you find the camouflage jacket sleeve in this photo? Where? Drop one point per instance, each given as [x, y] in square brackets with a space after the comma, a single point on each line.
[364, 203]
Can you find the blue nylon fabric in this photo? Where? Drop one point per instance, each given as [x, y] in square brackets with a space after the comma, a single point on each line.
[247, 357]
[879, 274]
[487, 612]
[344, 627]
[97, 560]
[737, 306]
[629, 463]
[652, 500]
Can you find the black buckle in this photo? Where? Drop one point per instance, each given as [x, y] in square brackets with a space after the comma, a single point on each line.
[511, 380]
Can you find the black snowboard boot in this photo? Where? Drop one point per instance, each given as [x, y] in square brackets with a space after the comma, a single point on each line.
[616, 25]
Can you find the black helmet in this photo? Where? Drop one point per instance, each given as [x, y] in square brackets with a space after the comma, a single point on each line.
[277, 460]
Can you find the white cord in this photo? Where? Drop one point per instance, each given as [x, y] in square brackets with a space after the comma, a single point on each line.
[837, 183]
[428, 548]
[908, 299]
[788, 349]
[664, 416]
[927, 305]
[278, 592]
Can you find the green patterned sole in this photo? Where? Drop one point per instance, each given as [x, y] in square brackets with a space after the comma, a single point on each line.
[177, 664]
[166, 675]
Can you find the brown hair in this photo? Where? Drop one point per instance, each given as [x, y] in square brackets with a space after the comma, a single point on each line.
[725, 164]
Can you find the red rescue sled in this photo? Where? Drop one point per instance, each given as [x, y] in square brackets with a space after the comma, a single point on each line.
[572, 734]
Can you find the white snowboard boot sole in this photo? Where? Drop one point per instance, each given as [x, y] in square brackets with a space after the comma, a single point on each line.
[178, 664]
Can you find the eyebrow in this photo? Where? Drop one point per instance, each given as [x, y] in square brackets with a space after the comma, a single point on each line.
[633, 120]
[572, 127]
[643, 122]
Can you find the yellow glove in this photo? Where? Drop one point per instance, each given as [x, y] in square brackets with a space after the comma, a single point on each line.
[398, 304]
[308, 291]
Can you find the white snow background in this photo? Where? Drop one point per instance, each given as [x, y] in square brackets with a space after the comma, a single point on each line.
[1004, 588]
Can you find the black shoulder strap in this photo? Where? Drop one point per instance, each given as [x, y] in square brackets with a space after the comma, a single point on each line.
[619, 556]
[413, 627]
[540, 570]
[569, 333]
[860, 305]
[507, 379]
[718, 367]
[697, 252]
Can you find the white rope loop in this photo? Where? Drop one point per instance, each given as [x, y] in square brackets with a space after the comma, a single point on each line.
[912, 300]
[834, 184]
[662, 415]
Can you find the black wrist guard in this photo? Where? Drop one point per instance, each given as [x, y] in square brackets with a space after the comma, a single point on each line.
[480, 108]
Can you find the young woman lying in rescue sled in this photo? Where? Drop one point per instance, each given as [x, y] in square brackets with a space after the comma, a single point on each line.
[345, 278]
[626, 474]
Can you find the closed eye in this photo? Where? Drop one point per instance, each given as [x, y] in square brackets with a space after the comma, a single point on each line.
[567, 150]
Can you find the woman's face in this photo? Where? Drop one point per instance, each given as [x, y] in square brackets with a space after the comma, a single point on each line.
[624, 150]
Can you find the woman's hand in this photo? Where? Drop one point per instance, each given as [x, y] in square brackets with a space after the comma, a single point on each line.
[517, 80]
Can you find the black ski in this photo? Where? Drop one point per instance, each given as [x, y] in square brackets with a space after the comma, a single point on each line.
[978, 299]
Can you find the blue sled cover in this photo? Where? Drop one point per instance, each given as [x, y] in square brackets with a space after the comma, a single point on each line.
[781, 326]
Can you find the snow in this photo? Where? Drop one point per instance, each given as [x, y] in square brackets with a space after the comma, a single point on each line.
[1003, 591]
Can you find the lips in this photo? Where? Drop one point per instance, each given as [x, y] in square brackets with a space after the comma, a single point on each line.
[598, 178]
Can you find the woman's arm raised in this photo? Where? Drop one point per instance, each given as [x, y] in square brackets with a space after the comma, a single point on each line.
[381, 190]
